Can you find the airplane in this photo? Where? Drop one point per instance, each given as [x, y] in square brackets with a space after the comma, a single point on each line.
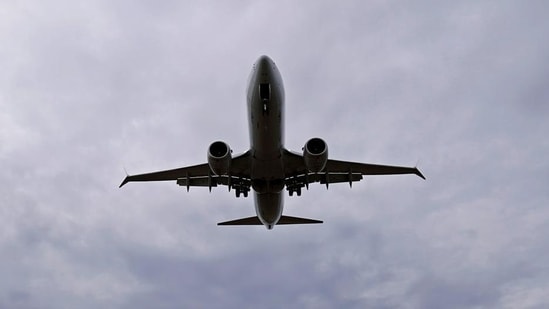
[268, 167]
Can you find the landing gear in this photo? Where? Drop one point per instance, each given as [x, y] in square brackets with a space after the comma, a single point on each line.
[238, 192]
[297, 190]
[241, 190]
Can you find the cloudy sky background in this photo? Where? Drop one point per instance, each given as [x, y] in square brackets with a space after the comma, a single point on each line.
[90, 88]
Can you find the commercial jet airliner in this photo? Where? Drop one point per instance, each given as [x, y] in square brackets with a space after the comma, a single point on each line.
[268, 167]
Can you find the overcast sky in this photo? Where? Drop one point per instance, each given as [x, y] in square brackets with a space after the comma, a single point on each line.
[88, 88]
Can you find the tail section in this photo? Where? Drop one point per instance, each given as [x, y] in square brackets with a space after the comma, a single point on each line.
[283, 220]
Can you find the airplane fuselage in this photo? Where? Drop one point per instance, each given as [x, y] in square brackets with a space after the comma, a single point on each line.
[265, 99]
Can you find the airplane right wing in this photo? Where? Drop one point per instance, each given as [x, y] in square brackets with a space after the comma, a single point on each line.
[201, 175]
[174, 174]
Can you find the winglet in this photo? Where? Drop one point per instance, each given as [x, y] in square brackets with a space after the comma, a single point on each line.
[417, 172]
[125, 181]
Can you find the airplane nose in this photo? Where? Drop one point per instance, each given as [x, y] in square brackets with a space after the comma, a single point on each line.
[263, 64]
[263, 60]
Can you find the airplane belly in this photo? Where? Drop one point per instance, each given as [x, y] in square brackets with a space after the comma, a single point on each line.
[268, 207]
[266, 134]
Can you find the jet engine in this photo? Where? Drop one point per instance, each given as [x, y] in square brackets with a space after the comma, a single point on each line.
[315, 154]
[219, 158]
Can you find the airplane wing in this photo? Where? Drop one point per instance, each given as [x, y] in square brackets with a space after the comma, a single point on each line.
[369, 169]
[200, 175]
[335, 171]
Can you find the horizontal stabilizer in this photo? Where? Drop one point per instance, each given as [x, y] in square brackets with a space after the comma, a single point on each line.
[243, 221]
[296, 220]
[283, 220]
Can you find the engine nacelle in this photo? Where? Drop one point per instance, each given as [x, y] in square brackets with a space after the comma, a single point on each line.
[315, 154]
[219, 158]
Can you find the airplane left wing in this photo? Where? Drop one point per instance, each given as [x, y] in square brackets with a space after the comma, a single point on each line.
[295, 165]
[369, 169]
[335, 171]
[200, 175]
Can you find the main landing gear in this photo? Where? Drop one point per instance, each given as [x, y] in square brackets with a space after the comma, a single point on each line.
[239, 191]
[296, 190]
[241, 188]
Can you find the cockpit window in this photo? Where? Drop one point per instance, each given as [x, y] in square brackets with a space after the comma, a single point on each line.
[265, 92]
